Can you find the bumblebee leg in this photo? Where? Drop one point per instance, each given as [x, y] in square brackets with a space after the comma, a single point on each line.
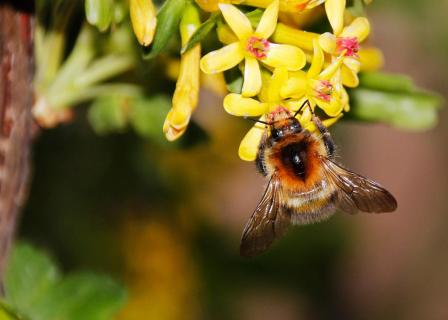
[326, 136]
[259, 161]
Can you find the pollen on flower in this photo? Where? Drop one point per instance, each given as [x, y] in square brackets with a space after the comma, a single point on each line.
[323, 90]
[278, 113]
[258, 47]
[349, 45]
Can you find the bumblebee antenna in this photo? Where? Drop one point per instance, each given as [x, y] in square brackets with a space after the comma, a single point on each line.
[256, 120]
[306, 102]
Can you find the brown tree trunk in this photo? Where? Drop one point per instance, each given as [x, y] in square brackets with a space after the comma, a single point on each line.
[16, 97]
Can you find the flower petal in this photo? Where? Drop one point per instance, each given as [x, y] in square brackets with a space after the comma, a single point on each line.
[286, 34]
[306, 115]
[278, 79]
[294, 105]
[144, 20]
[349, 77]
[371, 59]
[268, 21]
[310, 126]
[207, 5]
[359, 28]
[223, 59]
[327, 42]
[252, 78]
[225, 34]
[250, 144]
[172, 130]
[265, 80]
[335, 13]
[185, 97]
[332, 108]
[295, 87]
[345, 100]
[236, 105]
[236, 20]
[172, 134]
[352, 63]
[318, 60]
[331, 69]
[284, 55]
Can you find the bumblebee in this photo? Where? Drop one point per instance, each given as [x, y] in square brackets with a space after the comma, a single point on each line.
[305, 183]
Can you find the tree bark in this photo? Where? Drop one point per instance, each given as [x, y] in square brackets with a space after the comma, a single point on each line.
[16, 98]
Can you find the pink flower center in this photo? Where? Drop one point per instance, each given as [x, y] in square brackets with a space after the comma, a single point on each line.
[258, 47]
[348, 44]
[324, 89]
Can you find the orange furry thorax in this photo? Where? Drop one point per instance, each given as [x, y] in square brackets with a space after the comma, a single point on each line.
[276, 159]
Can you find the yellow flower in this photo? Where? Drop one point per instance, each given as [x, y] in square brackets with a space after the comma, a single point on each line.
[144, 20]
[237, 105]
[293, 6]
[371, 59]
[252, 47]
[270, 99]
[335, 14]
[346, 44]
[316, 85]
[285, 5]
[185, 98]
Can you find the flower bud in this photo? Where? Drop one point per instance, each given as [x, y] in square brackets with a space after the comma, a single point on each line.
[185, 98]
[99, 13]
[144, 20]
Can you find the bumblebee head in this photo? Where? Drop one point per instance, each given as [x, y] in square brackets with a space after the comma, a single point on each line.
[284, 127]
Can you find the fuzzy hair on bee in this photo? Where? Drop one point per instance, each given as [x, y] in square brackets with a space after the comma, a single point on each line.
[305, 183]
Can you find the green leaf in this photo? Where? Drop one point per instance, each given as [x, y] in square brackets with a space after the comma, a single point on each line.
[87, 297]
[386, 82]
[395, 100]
[201, 32]
[148, 115]
[7, 314]
[356, 8]
[403, 110]
[168, 20]
[99, 13]
[29, 275]
[34, 289]
[108, 113]
[255, 17]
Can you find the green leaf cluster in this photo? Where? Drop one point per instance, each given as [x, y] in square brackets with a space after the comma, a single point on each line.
[395, 100]
[113, 113]
[35, 289]
[168, 20]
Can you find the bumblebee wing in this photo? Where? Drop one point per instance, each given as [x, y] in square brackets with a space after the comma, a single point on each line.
[356, 192]
[268, 222]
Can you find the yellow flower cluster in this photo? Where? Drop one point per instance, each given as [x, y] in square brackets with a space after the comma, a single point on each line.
[281, 64]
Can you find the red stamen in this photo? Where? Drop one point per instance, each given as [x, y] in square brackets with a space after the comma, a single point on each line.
[258, 47]
[324, 89]
[349, 45]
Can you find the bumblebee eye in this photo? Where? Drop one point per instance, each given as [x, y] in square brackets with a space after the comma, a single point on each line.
[295, 127]
[276, 134]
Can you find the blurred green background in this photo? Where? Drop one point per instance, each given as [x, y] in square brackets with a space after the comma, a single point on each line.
[166, 221]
